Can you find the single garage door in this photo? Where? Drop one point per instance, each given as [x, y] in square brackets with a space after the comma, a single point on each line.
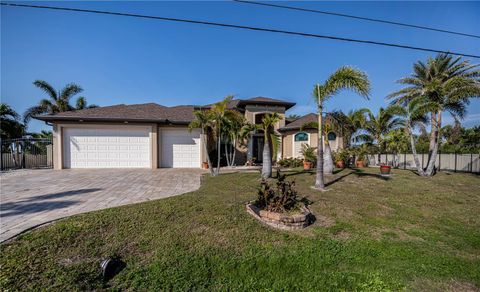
[180, 148]
[109, 147]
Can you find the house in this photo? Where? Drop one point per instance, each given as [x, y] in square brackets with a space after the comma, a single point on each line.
[153, 136]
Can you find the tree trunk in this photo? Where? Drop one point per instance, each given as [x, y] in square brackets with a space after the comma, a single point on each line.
[319, 182]
[205, 148]
[433, 123]
[234, 151]
[328, 163]
[418, 166]
[436, 137]
[219, 145]
[227, 154]
[267, 159]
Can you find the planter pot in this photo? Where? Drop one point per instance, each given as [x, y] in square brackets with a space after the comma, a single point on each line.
[205, 165]
[282, 221]
[385, 169]
[360, 163]
[340, 164]
[307, 165]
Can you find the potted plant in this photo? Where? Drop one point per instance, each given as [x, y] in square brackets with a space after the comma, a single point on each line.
[385, 169]
[360, 159]
[309, 156]
[340, 157]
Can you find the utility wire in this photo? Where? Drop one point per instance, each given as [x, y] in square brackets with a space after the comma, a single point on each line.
[358, 17]
[241, 27]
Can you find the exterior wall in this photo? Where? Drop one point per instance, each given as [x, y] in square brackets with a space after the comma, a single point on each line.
[252, 110]
[288, 142]
[58, 130]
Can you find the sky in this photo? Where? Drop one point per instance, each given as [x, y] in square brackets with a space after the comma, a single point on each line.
[126, 60]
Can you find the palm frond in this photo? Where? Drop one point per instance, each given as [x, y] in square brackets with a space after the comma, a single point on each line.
[47, 88]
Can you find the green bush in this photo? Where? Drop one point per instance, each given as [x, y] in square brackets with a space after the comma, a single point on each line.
[290, 162]
[308, 153]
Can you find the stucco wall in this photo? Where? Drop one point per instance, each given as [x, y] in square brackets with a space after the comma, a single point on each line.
[288, 141]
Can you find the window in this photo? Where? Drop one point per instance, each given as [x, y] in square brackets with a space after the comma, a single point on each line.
[332, 136]
[301, 137]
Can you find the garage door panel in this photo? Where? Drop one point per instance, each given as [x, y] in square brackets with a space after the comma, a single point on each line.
[180, 148]
[107, 147]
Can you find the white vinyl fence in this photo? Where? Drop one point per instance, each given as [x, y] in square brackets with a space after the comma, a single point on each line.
[449, 162]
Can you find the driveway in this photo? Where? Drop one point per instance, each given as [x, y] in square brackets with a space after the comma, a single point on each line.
[32, 197]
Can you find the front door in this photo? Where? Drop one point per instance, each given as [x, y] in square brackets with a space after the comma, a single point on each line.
[258, 149]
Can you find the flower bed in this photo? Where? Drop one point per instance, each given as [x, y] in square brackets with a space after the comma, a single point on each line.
[281, 220]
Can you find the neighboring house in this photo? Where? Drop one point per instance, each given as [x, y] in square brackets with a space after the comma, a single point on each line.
[152, 136]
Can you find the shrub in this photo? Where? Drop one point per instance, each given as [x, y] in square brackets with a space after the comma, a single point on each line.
[290, 162]
[279, 198]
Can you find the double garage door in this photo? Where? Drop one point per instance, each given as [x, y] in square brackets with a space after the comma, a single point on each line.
[128, 147]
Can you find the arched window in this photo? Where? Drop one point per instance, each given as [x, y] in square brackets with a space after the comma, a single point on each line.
[332, 136]
[301, 137]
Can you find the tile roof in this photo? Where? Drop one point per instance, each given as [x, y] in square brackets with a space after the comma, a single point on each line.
[148, 112]
[308, 118]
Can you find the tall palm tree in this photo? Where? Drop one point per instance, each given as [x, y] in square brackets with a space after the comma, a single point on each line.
[219, 111]
[10, 126]
[203, 120]
[81, 103]
[446, 81]
[56, 101]
[377, 127]
[344, 78]
[272, 141]
[414, 115]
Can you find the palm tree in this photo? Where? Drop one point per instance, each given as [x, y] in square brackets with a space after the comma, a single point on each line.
[234, 122]
[56, 102]
[377, 127]
[81, 103]
[10, 124]
[219, 111]
[272, 141]
[344, 78]
[331, 124]
[349, 124]
[203, 120]
[415, 115]
[446, 81]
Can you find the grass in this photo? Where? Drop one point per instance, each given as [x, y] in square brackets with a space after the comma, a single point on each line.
[371, 234]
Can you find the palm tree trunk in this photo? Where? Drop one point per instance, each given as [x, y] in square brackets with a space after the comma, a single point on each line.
[219, 145]
[227, 154]
[433, 123]
[319, 182]
[267, 159]
[415, 156]
[328, 163]
[436, 139]
[234, 151]
[205, 148]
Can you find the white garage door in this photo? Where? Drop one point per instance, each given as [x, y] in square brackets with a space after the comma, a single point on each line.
[113, 147]
[180, 148]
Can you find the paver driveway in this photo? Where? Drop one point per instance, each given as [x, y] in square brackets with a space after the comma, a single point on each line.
[32, 197]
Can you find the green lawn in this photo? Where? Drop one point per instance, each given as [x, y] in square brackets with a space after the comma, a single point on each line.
[371, 234]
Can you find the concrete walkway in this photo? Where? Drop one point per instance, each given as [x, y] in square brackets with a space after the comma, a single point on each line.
[32, 197]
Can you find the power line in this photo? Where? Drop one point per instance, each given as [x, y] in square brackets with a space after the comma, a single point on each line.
[241, 27]
[358, 17]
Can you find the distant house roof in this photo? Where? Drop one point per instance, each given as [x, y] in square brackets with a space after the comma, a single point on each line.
[147, 112]
[297, 124]
[259, 100]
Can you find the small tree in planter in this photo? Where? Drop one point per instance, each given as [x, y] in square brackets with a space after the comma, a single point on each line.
[361, 157]
[309, 156]
[278, 205]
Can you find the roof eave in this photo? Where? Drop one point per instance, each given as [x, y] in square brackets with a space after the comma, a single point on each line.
[119, 120]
